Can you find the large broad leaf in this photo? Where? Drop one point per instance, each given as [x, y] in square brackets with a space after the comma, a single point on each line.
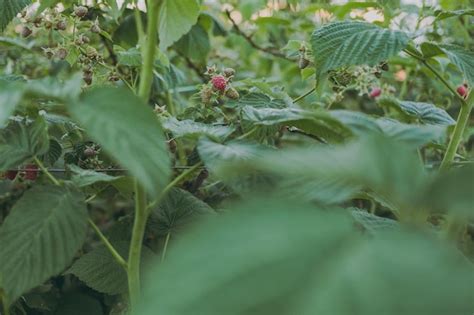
[101, 272]
[192, 129]
[11, 94]
[179, 209]
[176, 19]
[21, 141]
[259, 100]
[9, 9]
[127, 130]
[348, 43]
[215, 155]
[278, 257]
[462, 58]
[195, 44]
[40, 237]
[316, 123]
[425, 112]
[83, 177]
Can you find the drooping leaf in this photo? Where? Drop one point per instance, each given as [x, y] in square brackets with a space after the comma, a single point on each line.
[336, 271]
[441, 15]
[179, 209]
[127, 130]
[82, 177]
[54, 153]
[9, 9]
[39, 238]
[176, 19]
[416, 135]
[215, 155]
[348, 43]
[460, 57]
[101, 272]
[192, 129]
[425, 112]
[195, 44]
[11, 94]
[259, 100]
[372, 223]
[21, 141]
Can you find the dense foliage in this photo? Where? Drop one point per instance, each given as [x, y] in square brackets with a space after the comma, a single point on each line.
[236, 157]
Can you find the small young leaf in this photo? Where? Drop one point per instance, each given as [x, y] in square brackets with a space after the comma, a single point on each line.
[82, 177]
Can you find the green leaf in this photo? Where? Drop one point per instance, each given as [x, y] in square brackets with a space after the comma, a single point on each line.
[77, 303]
[9, 9]
[192, 129]
[176, 19]
[11, 94]
[292, 258]
[372, 223]
[100, 271]
[54, 153]
[341, 44]
[463, 59]
[52, 87]
[21, 141]
[195, 44]
[259, 100]
[425, 112]
[179, 209]
[316, 123]
[82, 177]
[441, 15]
[16, 42]
[40, 237]
[129, 131]
[415, 135]
[215, 155]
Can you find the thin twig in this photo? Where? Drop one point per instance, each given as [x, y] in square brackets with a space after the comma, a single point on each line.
[299, 98]
[109, 246]
[269, 50]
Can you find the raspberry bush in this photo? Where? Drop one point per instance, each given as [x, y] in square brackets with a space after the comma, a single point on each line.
[236, 157]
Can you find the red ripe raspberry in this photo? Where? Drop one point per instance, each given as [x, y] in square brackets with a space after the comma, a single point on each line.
[375, 92]
[462, 90]
[31, 172]
[11, 175]
[219, 82]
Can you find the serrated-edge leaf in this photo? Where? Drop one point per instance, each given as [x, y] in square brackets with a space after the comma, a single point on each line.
[348, 43]
[40, 237]
[9, 9]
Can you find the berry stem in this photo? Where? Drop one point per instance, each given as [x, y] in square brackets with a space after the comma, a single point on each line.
[45, 171]
[299, 98]
[109, 246]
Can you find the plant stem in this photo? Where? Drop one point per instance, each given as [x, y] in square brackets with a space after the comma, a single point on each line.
[248, 133]
[299, 98]
[463, 118]
[141, 215]
[165, 247]
[458, 132]
[175, 182]
[45, 171]
[109, 246]
[149, 50]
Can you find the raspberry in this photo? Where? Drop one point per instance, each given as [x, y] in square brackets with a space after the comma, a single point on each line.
[26, 31]
[61, 25]
[80, 11]
[375, 92]
[232, 94]
[303, 63]
[95, 28]
[462, 90]
[62, 53]
[384, 66]
[31, 172]
[90, 152]
[206, 95]
[11, 175]
[219, 83]
[228, 72]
